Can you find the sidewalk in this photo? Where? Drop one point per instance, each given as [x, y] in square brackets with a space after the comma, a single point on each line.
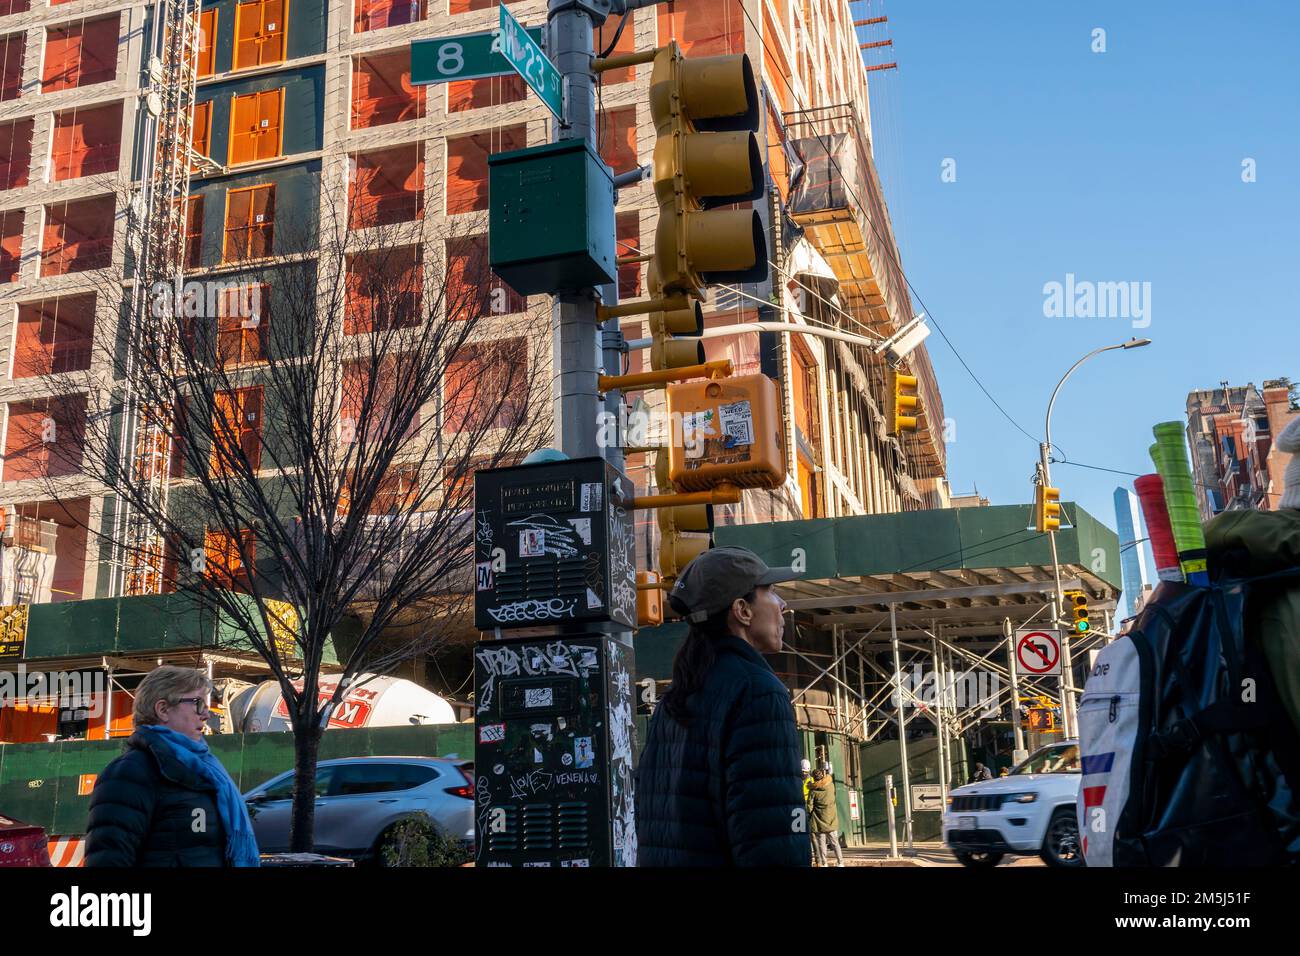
[928, 853]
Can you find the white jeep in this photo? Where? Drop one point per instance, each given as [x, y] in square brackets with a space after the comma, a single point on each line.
[1032, 810]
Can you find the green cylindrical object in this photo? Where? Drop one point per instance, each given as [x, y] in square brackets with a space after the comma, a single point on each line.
[1170, 456]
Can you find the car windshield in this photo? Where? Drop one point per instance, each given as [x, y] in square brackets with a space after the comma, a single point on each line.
[1060, 759]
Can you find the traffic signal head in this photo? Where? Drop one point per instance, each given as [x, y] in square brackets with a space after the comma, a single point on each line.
[706, 113]
[675, 330]
[1047, 508]
[675, 550]
[905, 402]
[1078, 602]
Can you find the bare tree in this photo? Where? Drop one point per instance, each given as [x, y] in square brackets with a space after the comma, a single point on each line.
[289, 441]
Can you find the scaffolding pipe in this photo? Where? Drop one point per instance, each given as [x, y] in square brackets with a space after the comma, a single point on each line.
[939, 693]
[1015, 692]
[902, 727]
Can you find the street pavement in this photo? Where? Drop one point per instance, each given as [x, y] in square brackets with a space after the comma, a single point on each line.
[931, 853]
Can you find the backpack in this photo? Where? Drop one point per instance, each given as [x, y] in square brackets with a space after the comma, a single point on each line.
[1188, 757]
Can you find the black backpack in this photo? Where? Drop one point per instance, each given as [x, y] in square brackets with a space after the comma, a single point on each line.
[1188, 757]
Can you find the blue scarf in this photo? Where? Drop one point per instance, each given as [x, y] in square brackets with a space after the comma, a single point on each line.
[194, 755]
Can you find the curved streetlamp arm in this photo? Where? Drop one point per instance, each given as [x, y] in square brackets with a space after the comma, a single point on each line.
[1056, 391]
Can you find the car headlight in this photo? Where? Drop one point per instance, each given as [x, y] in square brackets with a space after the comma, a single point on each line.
[1021, 797]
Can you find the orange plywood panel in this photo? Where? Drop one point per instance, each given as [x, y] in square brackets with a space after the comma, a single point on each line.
[386, 187]
[54, 335]
[618, 138]
[86, 141]
[237, 418]
[11, 243]
[255, 126]
[250, 223]
[384, 290]
[259, 33]
[626, 44]
[382, 92]
[201, 128]
[243, 322]
[77, 236]
[80, 54]
[378, 14]
[628, 226]
[485, 385]
[472, 287]
[207, 42]
[489, 91]
[15, 153]
[43, 439]
[12, 48]
[703, 27]
[467, 165]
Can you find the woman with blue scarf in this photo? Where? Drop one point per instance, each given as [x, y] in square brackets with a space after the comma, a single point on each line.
[167, 801]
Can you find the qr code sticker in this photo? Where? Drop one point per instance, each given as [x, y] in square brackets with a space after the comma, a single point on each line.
[737, 421]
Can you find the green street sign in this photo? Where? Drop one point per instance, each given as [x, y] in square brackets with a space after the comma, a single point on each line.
[526, 56]
[470, 56]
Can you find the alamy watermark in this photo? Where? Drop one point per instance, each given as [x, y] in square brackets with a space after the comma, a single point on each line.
[79, 690]
[1085, 299]
[207, 300]
[643, 427]
[962, 689]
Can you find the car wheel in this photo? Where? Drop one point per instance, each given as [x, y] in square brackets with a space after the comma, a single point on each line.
[1061, 845]
[978, 858]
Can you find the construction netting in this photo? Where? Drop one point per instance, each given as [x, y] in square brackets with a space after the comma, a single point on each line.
[54, 336]
[86, 141]
[703, 27]
[386, 186]
[382, 92]
[77, 236]
[467, 168]
[15, 153]
[80, 53]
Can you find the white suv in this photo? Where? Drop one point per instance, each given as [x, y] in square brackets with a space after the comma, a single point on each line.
[1032, 810]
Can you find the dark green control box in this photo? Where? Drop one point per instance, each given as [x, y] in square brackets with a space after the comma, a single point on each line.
[551, 218]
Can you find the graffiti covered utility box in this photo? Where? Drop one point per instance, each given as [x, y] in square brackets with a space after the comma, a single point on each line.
[553, 758]
[553, 548]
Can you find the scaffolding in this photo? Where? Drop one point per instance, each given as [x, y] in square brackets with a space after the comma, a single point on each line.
[158, 211]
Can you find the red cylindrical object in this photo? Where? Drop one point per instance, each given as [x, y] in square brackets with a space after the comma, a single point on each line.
[1151, 493]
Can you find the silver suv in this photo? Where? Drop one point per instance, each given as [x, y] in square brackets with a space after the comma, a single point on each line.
[360, 799]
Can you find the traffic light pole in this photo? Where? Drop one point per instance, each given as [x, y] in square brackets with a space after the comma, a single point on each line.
[1058, 602]
[581, 350]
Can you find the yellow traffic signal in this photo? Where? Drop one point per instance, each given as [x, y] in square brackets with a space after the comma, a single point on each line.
[706, 113]
[1047, 508]
[676, 550]
[1078, 602]
[904, 402]
[675, 330]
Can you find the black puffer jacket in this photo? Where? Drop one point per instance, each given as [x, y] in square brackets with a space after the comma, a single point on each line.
[144, 811]
[725, 789]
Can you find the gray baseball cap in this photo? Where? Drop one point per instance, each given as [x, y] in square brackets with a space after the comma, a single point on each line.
[717, 577]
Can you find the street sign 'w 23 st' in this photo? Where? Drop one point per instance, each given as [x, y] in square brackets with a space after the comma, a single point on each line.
[470, 56]
[526, 56]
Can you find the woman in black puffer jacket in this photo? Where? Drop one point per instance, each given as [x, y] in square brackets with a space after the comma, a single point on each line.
[718, 782]
[167, 801]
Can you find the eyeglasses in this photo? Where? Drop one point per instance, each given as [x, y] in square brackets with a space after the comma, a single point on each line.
[200, 703]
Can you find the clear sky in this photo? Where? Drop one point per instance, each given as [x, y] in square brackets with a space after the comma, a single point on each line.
[1119, 166]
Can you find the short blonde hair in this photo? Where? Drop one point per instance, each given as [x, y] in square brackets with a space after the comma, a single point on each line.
[166, 683]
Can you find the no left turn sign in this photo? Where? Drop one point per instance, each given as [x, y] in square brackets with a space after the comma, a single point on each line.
[1038, 653]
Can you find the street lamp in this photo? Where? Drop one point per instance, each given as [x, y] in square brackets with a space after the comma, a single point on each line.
[1068, 713]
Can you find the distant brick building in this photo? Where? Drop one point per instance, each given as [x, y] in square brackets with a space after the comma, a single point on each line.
[1230, 431]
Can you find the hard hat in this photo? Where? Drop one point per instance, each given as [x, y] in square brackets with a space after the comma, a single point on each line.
[805, 766]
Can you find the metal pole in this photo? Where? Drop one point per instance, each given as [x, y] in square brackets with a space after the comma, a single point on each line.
[889, 812]
[902, 727]
[581, 349]
[1058, 602]
[1110, 631]
[1020, 752]
[108, 702]
[938, 720]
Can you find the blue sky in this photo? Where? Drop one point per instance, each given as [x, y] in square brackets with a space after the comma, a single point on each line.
[1117, 166]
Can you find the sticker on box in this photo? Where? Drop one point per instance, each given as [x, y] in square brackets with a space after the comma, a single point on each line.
[583, 754]
[737, 423]
[532, 543]
[539, 697]
[583, 527]
[491, 733]
[585, 862]
[593, 600]
[593, 496]
[484, 575]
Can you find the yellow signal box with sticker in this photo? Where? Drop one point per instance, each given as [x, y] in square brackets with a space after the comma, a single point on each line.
[726, 431]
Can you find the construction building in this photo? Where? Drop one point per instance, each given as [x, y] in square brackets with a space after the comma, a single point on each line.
[1230, 431]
